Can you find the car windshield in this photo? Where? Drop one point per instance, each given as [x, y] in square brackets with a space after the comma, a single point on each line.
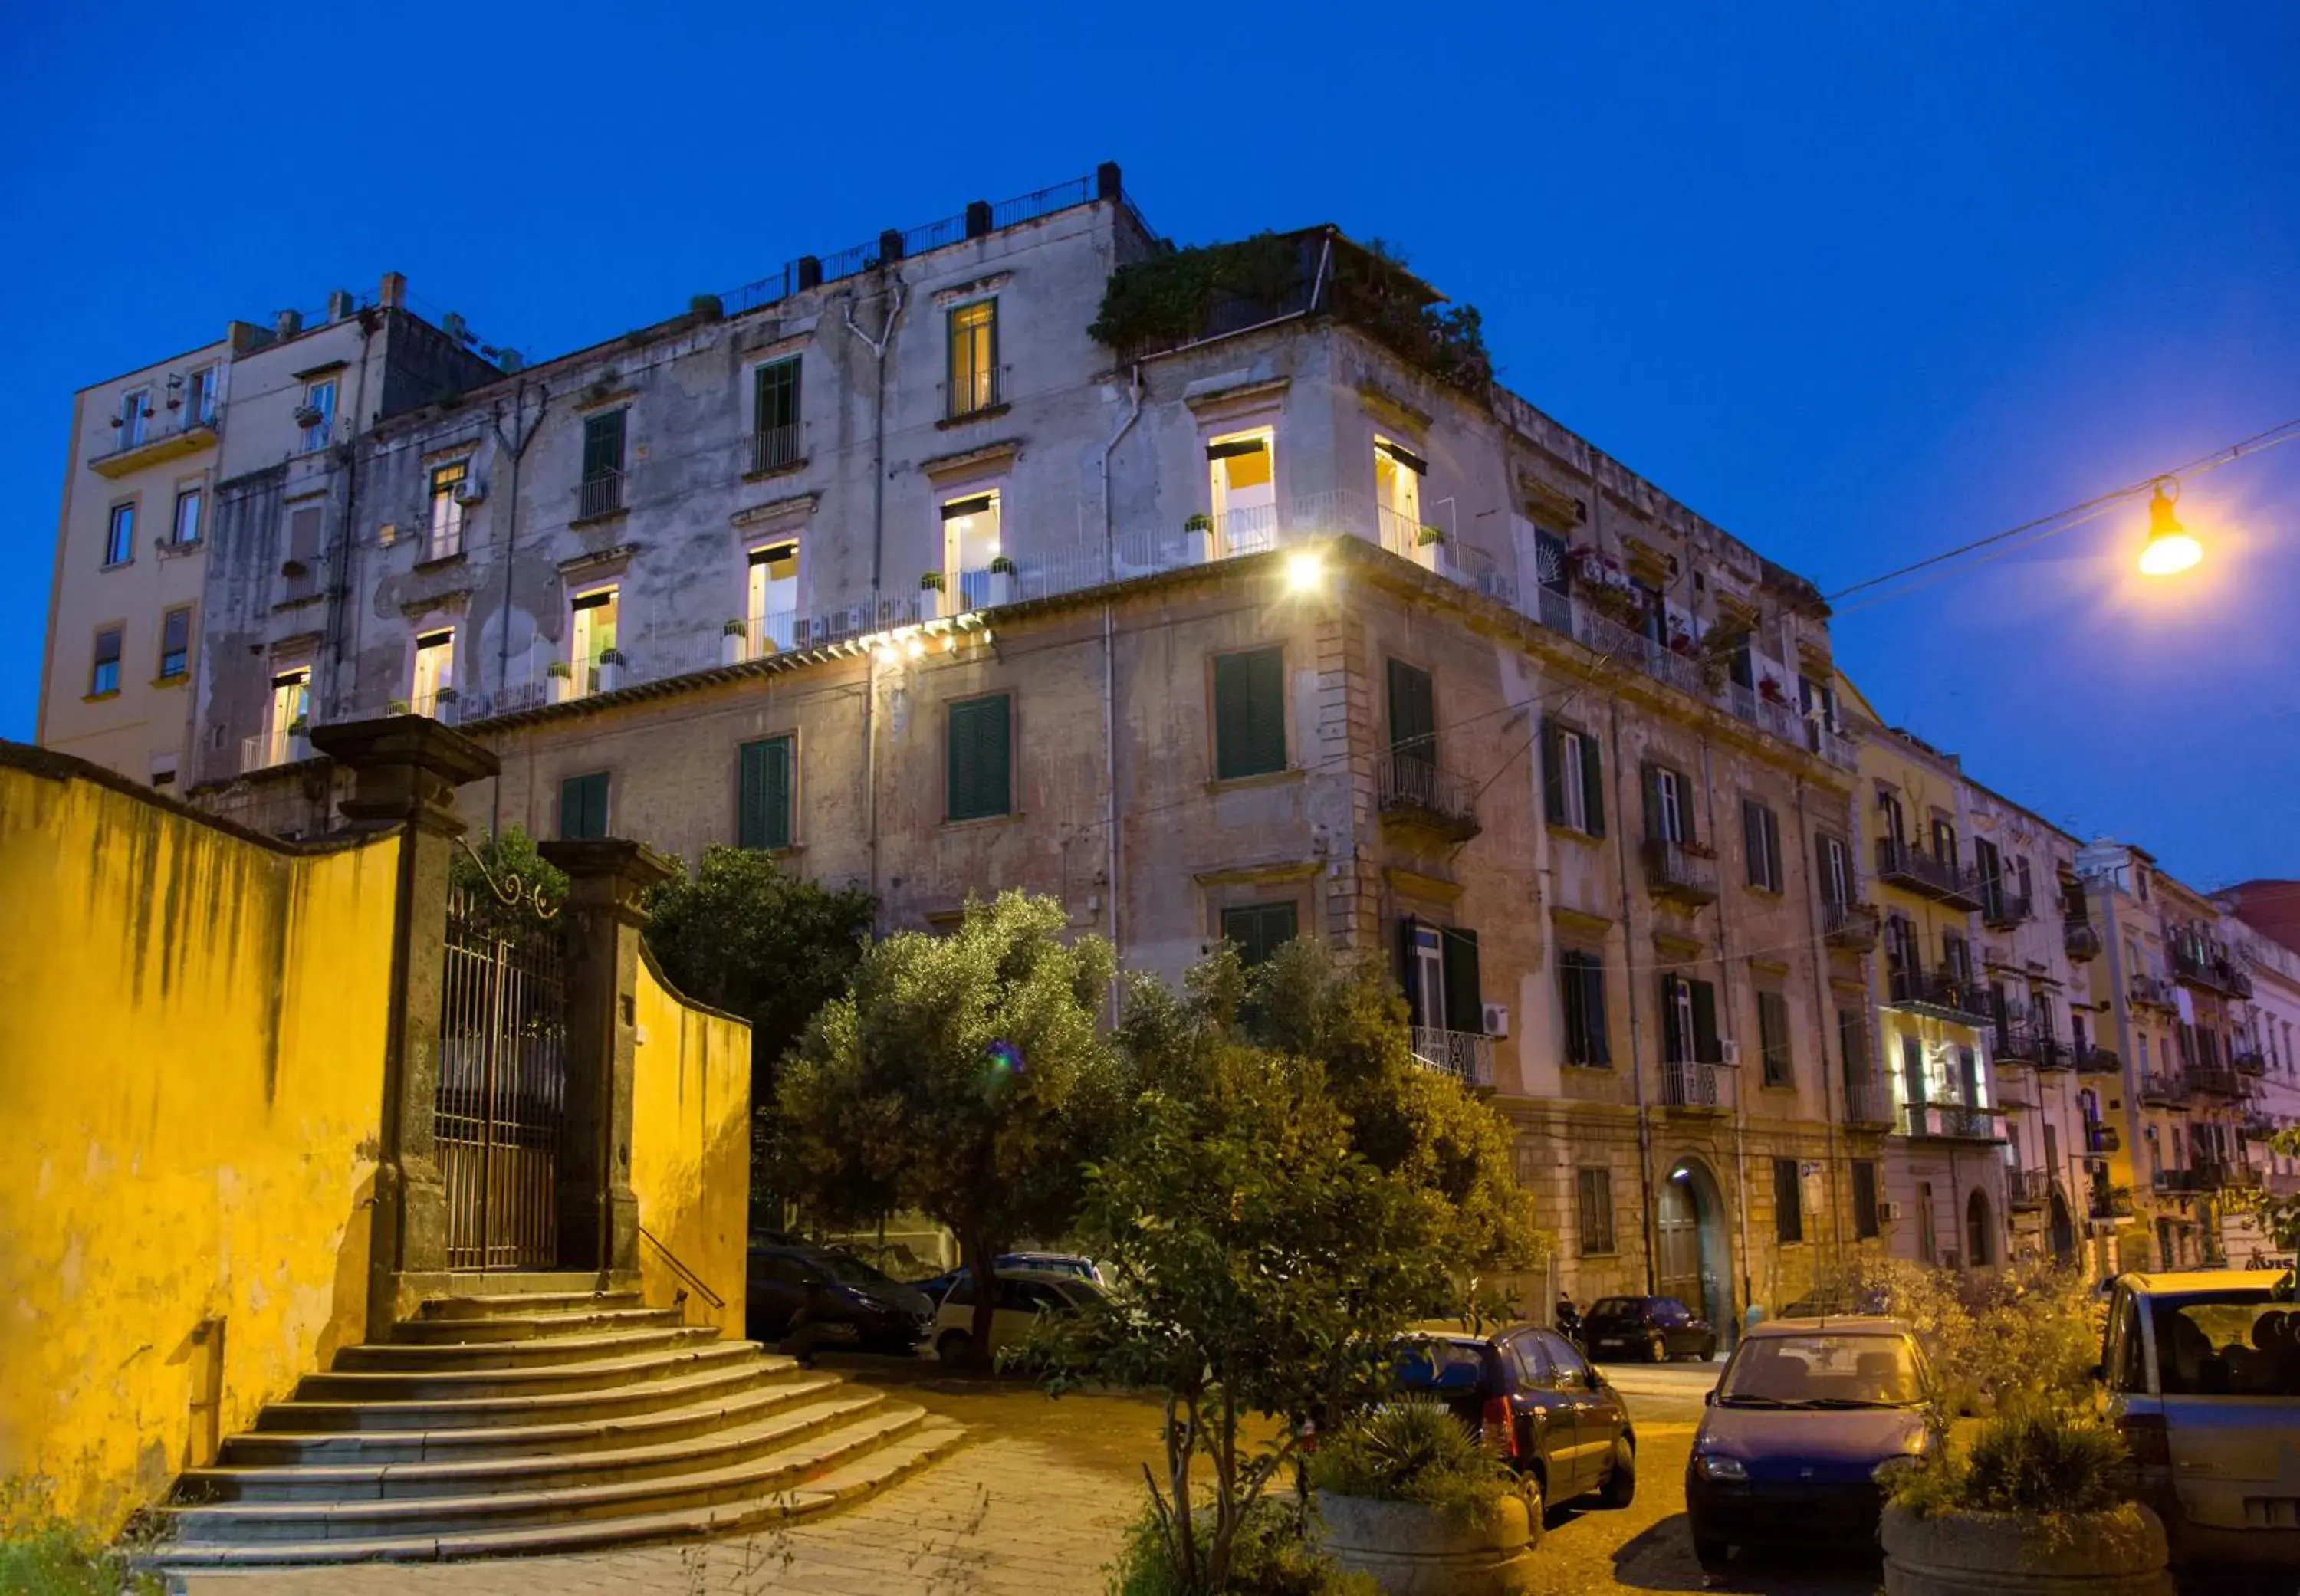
[2227, 1343]
[1618, 1308]
[1876, 1370]
[849, 1271]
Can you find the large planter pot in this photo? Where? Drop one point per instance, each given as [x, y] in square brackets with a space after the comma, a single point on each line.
[2117, 1553]
[1412, 1550]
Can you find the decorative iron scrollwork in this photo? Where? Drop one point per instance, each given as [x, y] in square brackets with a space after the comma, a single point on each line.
[510, 890]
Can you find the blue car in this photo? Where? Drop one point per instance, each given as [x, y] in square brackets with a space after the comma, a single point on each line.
[1807, 1424]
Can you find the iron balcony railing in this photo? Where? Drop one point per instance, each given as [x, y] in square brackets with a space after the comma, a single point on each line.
[2093, 1059]
[2114, 1203]
[2177, 1182]
[2002, 910]
[1949, 1121]
[2164, 1091]
[143, 445]
[2028, 1188]
[1852, 927]
[598, 496]
[2249, 1060]
[2258, 1123]
[2017, 1042]
[1673, 870]
[2080, 941]
[2101, 1139]
[1688, 1084]
[774, 448]
[1465, 1055]
[2214, 1080]
[2153, 990]
[1945, 994]
[1868, 1103]
[1775, 715]
[973, 392]
[277, 746]
[1913, 870]
[1413, 787]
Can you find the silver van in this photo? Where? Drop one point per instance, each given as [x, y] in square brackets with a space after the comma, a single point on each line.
[2201, 1372]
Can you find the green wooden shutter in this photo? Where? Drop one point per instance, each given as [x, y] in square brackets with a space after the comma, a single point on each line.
[1592, 980]
[1649, 779]
[583, 806]
[1465, 1004]
[1413, 713]
[1673, 1034]
[1773, 1037]
[1552, 771]
[981, 776]
[1250, 713]
[1593, 786]
[1409, 968]
[1685, 808]
[1752, 842]
[602, 445]
[1259, 929]
[764, 809]
[1704, 1022]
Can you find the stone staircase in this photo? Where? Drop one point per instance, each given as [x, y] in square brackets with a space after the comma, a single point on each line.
[549, 1418]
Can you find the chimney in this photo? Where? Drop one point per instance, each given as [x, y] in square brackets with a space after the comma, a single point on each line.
[978, 218]
[288, 323]
[393, 294]
[1106, 183]
[891, 245]
[810, 272]
[339, 305]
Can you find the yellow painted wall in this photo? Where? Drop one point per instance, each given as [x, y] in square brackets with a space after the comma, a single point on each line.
[691, 1150]
[191, 1051]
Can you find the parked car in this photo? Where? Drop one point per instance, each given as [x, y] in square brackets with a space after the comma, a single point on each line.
[1058, 1263]
[855, 1304]
[1536, 1401]
[2202, 1371]
[1019, 1299]
[1806, 1424]
[1653, 1328]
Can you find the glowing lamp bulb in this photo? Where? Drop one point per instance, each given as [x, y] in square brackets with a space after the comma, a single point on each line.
[1305, 571]
[2171, 548]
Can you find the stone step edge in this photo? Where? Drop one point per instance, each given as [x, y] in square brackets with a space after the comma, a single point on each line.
[783, 1426]
[639, 1338]
[637, 1369]
[641, 1393]
[842, 1486]
[541, 1327]
[480, 1305]
[773, 1395]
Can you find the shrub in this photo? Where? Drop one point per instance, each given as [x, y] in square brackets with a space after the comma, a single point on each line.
[40, 1556]
[1412, 1450]
[2040, 1457]
[2028, 1329]
[1271, 1558]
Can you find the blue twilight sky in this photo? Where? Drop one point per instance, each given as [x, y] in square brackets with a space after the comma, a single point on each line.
[1856, 282]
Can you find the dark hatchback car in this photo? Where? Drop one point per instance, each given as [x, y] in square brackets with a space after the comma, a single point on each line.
[1652, 1328]
[855, 1304]
[1808, 1423]
[1538, 1401]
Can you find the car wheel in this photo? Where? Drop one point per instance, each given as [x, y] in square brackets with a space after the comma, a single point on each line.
[1711, 1553]
[1621, 1480]
[1657, 1350]
[952, 1348]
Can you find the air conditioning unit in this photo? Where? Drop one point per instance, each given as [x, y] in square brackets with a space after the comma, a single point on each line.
[1888, 1212]
[470, 490]
[1730, 1050]
[1496, 1020]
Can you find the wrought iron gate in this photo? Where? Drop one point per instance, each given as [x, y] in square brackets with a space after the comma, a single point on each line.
[501, 1103]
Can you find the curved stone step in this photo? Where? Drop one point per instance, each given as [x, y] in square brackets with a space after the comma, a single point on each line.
[550, 1379]
[500, 1411]
[363, 1448]
[783, 1468]
[485, 1305]
[479, 1329]
[839, 1487]
[412, 1357]
[738, 1442]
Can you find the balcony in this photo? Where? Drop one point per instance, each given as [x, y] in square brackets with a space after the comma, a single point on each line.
[2163, 1090]
[2092, 1059]
[2080, 941]
[600, 495]
[1948, 1122]
[2202, 963]
[1414, 790]
[1774, 715]
[1940, 995]
[2214, 1080]
[2052, 1053]
[1686, 1084]
[1914, 870]
[1850, 927]
[2249, 1060]
[2154, 991]
[2113, 1203]
[2101, 1139]
[2002, 910]
[278, 746]
[775, 449]
[1868, 1104]
[1465, 1055]
[2177, 1182]
[1675, 871]
[150, 444]
[2028, 1188]
[1835, 746]
[2259, 1124]
[2018, 1042]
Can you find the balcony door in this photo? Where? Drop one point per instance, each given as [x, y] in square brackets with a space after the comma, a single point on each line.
[1397, 474]
[1243, 486]
[970, 542]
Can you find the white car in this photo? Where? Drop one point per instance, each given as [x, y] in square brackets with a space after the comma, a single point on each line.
[1021, 1298]
[2202, 1371]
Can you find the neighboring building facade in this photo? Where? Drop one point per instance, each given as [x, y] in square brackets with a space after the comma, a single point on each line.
[2266, 1060]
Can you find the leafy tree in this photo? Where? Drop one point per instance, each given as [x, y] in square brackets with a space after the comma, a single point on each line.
[2277, 1213]
[965, 1077]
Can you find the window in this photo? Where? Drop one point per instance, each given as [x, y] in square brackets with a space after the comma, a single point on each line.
[1864, 1198]
[601, 489]
[1916, 1084]
[1573, 783]
[1788, 1208]
[1761, 833]
[970, 541]
[1595, 1188]
[300, 569]
[981, 776]
[1243, 489]
[175, 644]
[120, 540]
[1836, 873]
[104, 675]
[591, 638]
[1438, 965]
[200, 398]
[1991, 866]
[1773, 1038]
[1581, 997]
[973, 357]
[135, 407]
[1669, 805]
[1689, 1018]
[1945, 842]
[291, 695]
[1397, 474]
[318, 416]
[1853, 1046]
[1957, 957]
[187, 528]
[774, 415]
[435, 671]
[1413, 728]
[1249, 713]
[771, 602]
[764, 786]
[1259, 929]
[447, 528]
[583, 806]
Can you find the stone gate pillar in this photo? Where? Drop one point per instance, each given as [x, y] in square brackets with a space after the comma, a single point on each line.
[405, 770]
[606, 879]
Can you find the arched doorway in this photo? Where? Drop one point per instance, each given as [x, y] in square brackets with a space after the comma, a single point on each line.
[1979, 1234]
[1695, 1263]
[2063, 1232]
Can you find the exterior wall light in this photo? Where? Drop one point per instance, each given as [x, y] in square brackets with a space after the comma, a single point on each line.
[1305, 572]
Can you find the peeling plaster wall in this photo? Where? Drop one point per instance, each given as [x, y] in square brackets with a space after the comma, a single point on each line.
[691, 1152]
[191, 1060]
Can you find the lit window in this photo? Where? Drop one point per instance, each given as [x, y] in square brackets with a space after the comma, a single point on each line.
[434, 669]
[1242, 489]
[592, 648]
[970, 539]
[973, 357]
[771, 611]
[1398, 473]
[175, 644]
[290, 702]
[446, 528]
[105, 675]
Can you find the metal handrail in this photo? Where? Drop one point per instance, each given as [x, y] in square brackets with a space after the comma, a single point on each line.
[685, 1274]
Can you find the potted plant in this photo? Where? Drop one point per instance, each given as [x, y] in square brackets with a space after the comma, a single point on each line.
[734, 636]
[1407, 1497]
[1431, 535]
[1001, 586]
[1768, 688]
[399, 706]
[562, 681]
[1199, 534]
[2045, 1499]
[611, 668]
